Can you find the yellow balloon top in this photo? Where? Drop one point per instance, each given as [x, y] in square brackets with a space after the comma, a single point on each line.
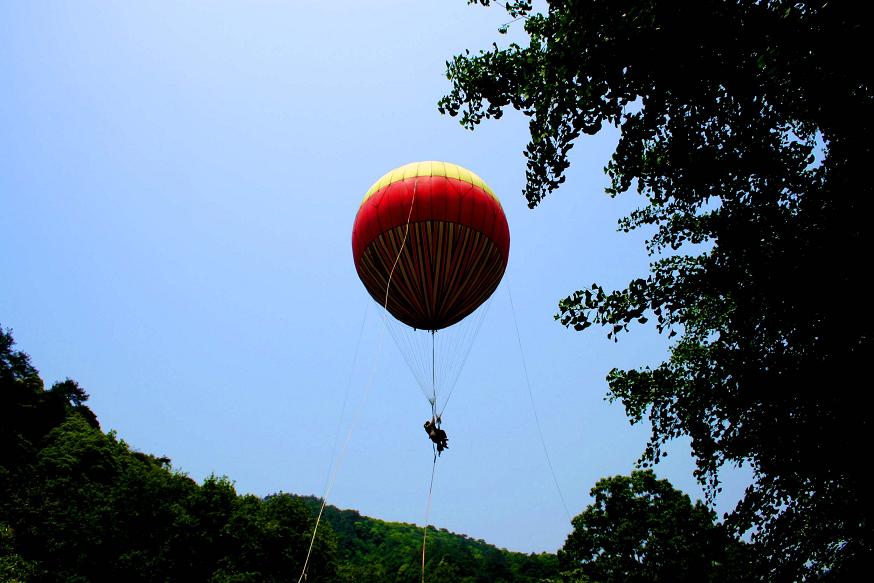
[429, 168]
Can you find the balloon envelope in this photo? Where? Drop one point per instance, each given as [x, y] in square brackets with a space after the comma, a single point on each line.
[439, 234]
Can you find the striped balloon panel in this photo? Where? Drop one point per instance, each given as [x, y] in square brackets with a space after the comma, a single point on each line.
[442, 272]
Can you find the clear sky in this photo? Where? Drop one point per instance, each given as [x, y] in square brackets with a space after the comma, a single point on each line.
[178, 181]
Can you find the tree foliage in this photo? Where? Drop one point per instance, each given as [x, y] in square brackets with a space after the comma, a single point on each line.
[642, 529]
[745, 128]
[77, 504]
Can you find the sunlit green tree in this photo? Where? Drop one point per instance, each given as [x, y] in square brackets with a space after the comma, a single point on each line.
[639, 528]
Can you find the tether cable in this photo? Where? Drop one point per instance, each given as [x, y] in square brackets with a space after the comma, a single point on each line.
[366, 391]
[346, 396]
[336, 467]
[534, 408]
[428, 513]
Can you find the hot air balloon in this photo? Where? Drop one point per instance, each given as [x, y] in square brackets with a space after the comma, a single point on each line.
[430, 243]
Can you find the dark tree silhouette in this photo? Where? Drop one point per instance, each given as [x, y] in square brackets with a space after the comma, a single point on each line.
[745, 129]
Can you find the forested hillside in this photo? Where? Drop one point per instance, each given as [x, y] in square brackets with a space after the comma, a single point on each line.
[375, 550]
[78, 504]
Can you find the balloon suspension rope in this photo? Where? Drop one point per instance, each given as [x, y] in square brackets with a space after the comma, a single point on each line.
[534, 409]
[339, 459]
[433, 379]
[434, 448]
[403, 244]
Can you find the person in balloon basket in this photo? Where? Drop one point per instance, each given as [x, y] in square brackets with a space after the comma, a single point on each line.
[437, 435]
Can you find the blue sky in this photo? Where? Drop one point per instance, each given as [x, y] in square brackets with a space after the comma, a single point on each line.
[178, 181]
